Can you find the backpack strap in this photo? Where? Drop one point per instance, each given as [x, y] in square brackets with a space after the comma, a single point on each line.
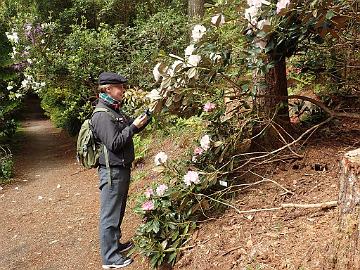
[106, 152]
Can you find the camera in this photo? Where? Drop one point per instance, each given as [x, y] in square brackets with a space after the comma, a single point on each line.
[148, 112]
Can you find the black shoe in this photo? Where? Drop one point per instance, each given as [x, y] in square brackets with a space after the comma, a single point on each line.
[125, 247]
[124, 261]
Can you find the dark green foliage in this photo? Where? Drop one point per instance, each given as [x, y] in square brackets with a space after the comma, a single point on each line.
[7, 106]
[70, 62]
[6, 167]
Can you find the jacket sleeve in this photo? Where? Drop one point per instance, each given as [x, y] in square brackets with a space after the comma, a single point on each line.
[112, 134]
[137, 130]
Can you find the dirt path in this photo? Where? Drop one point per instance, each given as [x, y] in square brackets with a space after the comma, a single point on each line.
[49, 213]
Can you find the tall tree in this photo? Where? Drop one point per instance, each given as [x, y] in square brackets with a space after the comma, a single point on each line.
[196, 8]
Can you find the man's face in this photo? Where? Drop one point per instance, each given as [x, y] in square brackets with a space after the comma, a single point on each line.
[116, 91]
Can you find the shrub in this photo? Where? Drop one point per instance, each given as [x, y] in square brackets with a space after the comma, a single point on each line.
[6, 164]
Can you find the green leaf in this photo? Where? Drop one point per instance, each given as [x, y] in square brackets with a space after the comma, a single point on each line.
[156, 226]
[165, 83]
[158, 169]
[192, 72]
[330, 14]
[218, 143]
[172, 257]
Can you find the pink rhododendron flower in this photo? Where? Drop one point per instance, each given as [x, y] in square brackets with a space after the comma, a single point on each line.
[198, 151]
[160, 191]
[208, 107]
[281, 5]
[148, 192]
[148, 206]
[191, 177]
[205, 142]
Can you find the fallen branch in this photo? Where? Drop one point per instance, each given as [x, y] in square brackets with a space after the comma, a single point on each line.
[272, 181]
[231, 250]
[324, 205]
[317, 103]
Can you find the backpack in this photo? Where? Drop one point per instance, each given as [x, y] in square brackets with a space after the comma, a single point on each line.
[88, 149]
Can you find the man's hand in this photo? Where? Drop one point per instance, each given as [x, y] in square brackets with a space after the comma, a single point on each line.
[141, 120]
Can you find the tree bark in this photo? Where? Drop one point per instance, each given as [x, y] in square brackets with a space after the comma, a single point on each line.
[275, 85]
[348, 239]
[196, 8]
[268, 106]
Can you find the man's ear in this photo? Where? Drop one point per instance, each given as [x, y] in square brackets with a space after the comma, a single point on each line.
[107, 89]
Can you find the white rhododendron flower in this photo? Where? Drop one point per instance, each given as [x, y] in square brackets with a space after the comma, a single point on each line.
[191, 177]
[215, 57]
[160, 158]
[9, 87]
[258, 3]
[218, 20]
[205, 142]
[194, 60]
[261, 24]
[251, 14]
[281, 5]
[154, 95]
[198, 32]
[189, 50]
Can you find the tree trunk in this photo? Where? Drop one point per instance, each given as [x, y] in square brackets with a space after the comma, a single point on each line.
[348, 238]
[275, 85]
[196, 8]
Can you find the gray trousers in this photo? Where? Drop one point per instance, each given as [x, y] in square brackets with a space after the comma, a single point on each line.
[112, 209]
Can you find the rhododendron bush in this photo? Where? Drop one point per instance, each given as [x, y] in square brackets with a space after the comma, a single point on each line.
[214, 79]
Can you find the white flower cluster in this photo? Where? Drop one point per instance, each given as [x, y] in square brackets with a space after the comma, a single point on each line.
[29, 82]
[191, 60]
[13, 37]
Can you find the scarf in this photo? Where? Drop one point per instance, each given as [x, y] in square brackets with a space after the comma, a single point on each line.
[113, 103]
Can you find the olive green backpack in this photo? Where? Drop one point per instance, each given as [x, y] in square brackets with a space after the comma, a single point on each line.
[88, 149]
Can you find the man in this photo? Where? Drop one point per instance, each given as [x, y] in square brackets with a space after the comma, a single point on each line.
[115, 131]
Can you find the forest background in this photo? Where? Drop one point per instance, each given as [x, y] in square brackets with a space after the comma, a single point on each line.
[250, 81]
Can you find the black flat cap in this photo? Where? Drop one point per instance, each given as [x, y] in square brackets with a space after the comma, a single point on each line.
[111, 78]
